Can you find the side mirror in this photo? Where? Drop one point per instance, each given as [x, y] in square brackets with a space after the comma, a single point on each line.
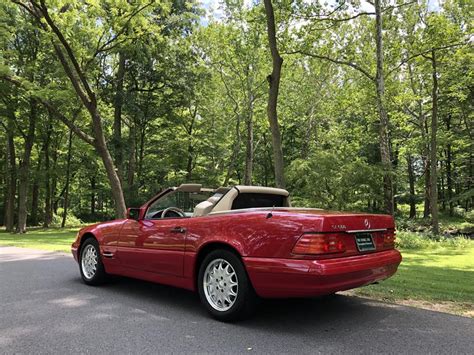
[133, 213]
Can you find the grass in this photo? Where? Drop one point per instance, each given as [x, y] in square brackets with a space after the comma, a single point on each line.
[435, 272]
[44, 239]
[442, 275]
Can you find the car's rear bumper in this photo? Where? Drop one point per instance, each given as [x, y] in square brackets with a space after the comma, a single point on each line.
[277, 278]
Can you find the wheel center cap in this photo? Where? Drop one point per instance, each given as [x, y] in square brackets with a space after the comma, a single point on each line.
[221, 283]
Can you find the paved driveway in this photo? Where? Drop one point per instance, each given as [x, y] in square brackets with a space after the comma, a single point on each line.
[45, 308]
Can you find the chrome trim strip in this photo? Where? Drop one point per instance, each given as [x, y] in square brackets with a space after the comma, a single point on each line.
[367, 230]
[108, 254]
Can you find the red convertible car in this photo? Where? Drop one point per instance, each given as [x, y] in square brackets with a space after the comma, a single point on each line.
[238, 243]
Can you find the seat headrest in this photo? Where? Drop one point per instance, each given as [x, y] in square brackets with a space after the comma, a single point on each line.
[203, 208]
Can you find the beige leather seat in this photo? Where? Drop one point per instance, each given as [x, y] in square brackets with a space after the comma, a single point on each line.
[203, 208]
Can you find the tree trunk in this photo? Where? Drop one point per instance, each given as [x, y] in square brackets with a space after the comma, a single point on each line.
[132, 164]
[394, 180]
[469, 201]
[249, 139]
[449, 159]
[426, 166]
[35, 194]
[189, 131]
[118, 104]
[433, 148]
[24, 170]
[92, 205]
[427, 204]
[141, 155]
[235, 152]
[383, 116]
[68, 178]
[441, 188]
[114, 180]
[54, 177]
[411, 182]
[274, 80]
[425, 144]
[11, 179]
[78, 79]
[310, 134]
[48, 207]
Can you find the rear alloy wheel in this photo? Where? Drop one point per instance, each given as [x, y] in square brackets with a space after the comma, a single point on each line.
[224, 287]
[90, 263]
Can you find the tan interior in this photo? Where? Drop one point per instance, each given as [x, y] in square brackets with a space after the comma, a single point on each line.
[216, 204]
[205, 207]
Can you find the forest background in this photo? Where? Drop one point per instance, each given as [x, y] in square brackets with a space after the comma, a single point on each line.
[349, 105]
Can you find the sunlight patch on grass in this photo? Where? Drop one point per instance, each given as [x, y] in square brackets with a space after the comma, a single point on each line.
[44, 239]
[438, 275]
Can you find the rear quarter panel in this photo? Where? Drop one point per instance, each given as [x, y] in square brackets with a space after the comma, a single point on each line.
[251, 233]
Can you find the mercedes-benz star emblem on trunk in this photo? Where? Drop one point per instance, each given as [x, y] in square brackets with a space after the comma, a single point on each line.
[366, 223]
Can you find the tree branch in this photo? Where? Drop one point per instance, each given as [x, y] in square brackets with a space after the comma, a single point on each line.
[107, 45]
[334, 21]
[70, 124]
[67, 47]
[336, 61]
[423, 53]
[50, 106]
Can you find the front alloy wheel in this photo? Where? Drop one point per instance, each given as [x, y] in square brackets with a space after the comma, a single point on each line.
[224, 287]
[90, 259]
[90, 263]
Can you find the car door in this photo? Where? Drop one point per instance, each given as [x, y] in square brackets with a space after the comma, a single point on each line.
[153, 245]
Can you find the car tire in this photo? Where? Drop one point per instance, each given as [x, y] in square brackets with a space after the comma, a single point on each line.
[90, 263]
[224, 287]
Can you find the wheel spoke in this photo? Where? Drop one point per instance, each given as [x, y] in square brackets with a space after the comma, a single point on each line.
[220, 284]
[89, 261]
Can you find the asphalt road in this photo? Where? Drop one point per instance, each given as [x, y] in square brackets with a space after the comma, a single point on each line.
[45, 308]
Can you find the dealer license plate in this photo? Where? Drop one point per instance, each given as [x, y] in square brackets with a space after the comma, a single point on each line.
[364, 242]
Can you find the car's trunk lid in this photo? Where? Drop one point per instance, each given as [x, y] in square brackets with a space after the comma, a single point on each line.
[362, 232]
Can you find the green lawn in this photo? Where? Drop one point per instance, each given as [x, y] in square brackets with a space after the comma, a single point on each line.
[438, 273]
[45, 239]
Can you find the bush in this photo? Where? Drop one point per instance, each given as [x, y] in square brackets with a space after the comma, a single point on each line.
[469, 216]
[412, 240]
[71, 220]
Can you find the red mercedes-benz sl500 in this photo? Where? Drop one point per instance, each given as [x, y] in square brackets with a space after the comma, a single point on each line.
[236, 244]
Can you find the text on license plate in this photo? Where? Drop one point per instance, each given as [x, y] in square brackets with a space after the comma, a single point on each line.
[364, 242]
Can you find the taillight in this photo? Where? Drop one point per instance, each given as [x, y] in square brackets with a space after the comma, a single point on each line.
[389, 239]
[319, 244]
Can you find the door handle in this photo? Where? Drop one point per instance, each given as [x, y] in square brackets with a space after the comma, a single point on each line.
[178, 230]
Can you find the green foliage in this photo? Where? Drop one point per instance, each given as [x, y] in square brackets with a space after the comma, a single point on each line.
[71, 220]
[339, 186]
[195, 93]
[420, 241]
[470, 216]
